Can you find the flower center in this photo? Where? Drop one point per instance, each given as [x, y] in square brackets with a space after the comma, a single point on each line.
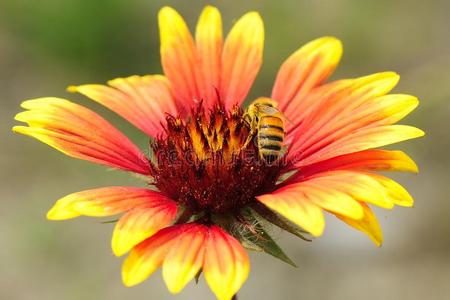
[205, 164]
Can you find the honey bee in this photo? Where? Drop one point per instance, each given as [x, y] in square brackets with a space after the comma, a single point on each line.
[267, 122]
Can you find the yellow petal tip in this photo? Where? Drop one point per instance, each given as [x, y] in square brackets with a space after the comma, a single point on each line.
[422, 132]
[174, 289]
[52, 215]
[210, 8]
[17, 129]
[61, 210]
[127, 280]
[55, 214]
[167, 11]
[377, 240]
[129, 275]
[418, 132]
[118, 248]
[317, 231]
[332, 41]
[118, 251]
[378, 243]
[72, 89]
[255, 17]
[414, 168]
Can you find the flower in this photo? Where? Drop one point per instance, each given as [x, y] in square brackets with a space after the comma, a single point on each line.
[210, 193]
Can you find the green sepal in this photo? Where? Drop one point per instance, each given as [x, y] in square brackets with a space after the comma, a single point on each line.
[269, 246]
[255, 237]
[197, 276]
[110, 221]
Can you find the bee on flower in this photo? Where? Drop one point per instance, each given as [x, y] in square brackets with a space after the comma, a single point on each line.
[211, 192]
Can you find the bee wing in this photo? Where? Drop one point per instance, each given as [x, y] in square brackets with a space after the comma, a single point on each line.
[268, 109]
[272, 111]
[287, 119]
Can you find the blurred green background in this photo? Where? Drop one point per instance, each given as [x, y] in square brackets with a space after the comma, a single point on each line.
[46, 45]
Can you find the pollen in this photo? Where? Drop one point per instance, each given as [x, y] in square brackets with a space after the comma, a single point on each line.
[205, 164]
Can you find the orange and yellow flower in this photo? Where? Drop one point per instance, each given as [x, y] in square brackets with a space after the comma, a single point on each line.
[209, 193]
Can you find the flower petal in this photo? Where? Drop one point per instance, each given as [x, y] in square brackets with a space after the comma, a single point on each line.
[185, 249]
[368, 224]
[344, 107]
[147, 256]
[179, 57]
[209, 42]
[385, 110]
[329, 100]
[331, 125]
[81, 133]
[102, 202]
[226, 265]
[339, 192]
[241, 58]
[298, 208]
[307, 68]
[363, 139]
[394, 191]
[185, 258]
[374, 160]
[144, 101]
[360, 186]
[142, 222]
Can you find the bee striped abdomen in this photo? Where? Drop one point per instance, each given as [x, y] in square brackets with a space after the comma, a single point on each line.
[267, 125]
[270, 137]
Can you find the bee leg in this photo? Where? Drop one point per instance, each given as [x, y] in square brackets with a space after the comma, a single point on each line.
[247, 119]
[248, 140]
[251, 134]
